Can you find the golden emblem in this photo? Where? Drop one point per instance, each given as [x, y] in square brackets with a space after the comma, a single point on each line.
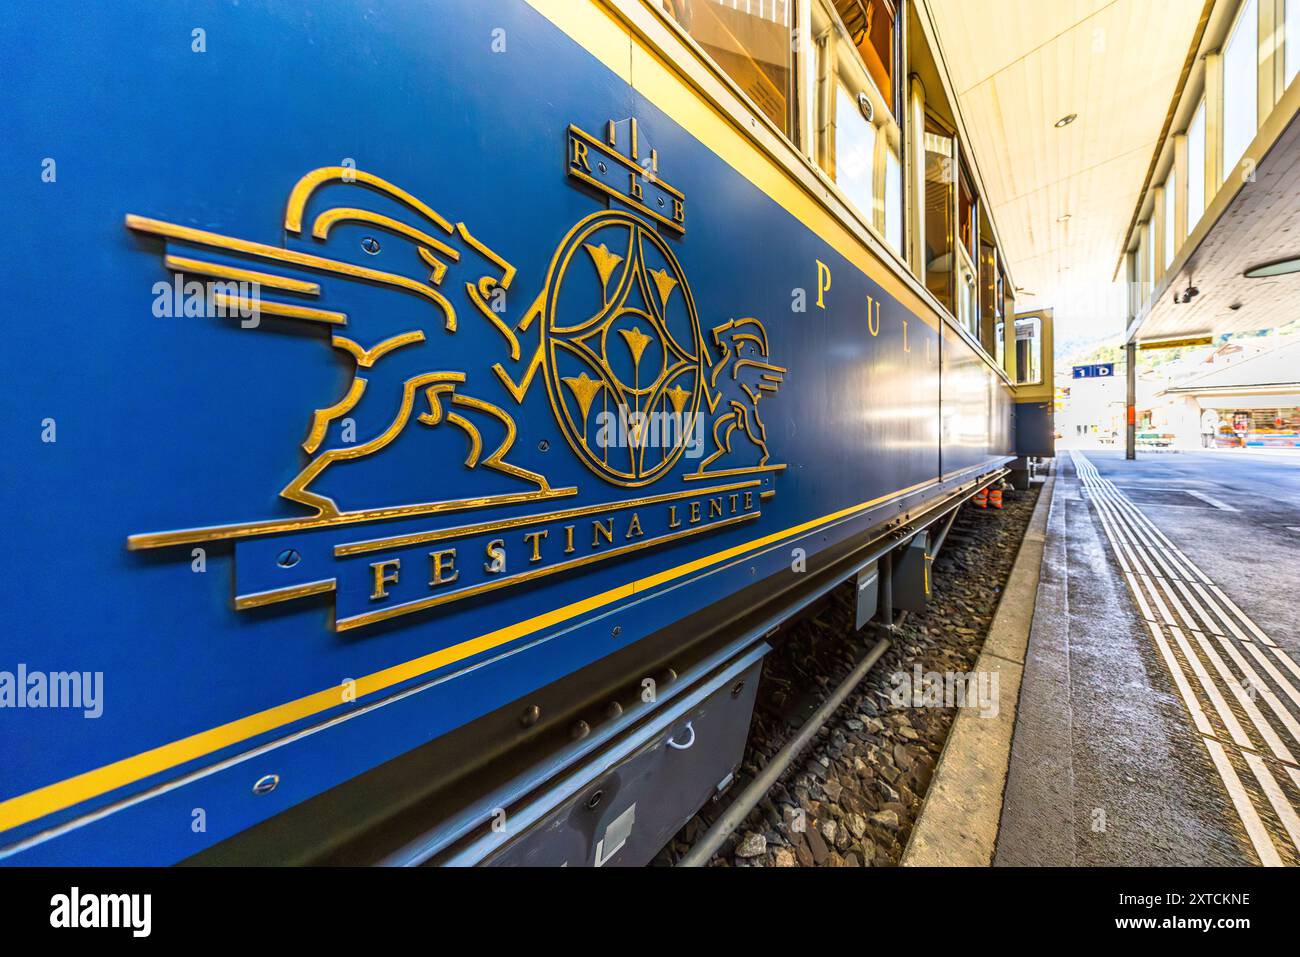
[634, 380]
[623, 351]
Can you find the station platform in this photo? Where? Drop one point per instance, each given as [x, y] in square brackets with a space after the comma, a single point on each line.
[1158, 718]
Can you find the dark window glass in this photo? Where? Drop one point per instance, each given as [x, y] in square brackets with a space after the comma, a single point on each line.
[988, 266]
[966, 210]
[870, 24]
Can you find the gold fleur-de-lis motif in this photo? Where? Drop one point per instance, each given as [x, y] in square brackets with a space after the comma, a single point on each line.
[678, 396]
[584, 390]
[606, 262]
[636, 342]
[664, 283]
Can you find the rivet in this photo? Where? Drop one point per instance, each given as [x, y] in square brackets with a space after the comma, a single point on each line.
[613, 709]
[580, 730]
[532, 714]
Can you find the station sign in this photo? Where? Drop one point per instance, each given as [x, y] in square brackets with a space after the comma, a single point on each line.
[1102, 370]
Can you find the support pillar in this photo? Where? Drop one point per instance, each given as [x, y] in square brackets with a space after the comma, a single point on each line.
[1130, 401]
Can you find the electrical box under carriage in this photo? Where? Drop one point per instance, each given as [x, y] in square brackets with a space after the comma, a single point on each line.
[627, 814]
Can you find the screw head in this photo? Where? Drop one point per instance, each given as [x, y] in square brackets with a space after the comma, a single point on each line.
[593, 802]
[266, 784]
[370, 244]
[288, 558]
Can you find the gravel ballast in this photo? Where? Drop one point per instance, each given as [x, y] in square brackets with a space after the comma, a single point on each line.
[851, 798]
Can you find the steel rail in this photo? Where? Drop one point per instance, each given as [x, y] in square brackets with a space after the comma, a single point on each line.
[748, 799]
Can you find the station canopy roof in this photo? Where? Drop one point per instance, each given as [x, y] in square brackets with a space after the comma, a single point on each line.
[1063, 197]
[1272, 371]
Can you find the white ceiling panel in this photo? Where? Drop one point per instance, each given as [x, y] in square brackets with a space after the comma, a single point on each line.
[1018, 67]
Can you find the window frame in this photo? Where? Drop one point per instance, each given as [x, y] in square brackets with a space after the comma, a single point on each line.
[1290, 33]
[1239, 22]
[861, 76]
[1198, 162]
[1169, 213]
[648, 18]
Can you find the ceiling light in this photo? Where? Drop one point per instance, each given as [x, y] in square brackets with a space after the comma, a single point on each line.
[1066, 120]
[1280, 268]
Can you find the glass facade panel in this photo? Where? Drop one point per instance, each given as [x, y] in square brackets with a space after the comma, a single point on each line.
[1291, 40]
[1151, 255]
[1196, 168]
[1171, 237]
[1240, 86]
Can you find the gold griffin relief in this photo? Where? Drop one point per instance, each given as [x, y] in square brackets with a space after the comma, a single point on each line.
[420, 397]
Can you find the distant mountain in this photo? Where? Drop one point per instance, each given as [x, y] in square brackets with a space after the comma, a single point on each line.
[1083, 349]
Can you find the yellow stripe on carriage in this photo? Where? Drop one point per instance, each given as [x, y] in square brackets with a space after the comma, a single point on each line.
[91, 784]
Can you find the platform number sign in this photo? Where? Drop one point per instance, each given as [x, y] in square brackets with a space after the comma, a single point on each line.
[1103, 370]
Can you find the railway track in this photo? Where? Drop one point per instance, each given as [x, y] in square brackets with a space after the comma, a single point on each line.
[851, 793]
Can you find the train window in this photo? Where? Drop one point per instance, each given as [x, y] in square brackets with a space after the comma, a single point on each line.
[1171, 239]
[1240, 86]
[967, 206]
[858, 142]
[752, 42]
[967, 250]
[870, 26]
[1029, 351]
[1196, 167]
[940, 178]
[1291, 39]
[988, 295]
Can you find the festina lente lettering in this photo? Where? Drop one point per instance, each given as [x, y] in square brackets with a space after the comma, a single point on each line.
[454, 567]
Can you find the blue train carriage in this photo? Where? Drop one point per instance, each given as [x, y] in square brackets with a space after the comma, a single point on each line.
[430, 413]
